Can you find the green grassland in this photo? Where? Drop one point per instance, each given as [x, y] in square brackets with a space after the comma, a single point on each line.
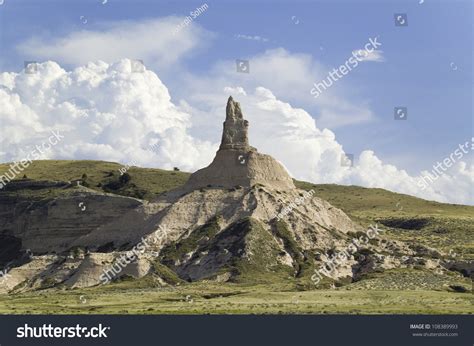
[447, 227]
[211, 298]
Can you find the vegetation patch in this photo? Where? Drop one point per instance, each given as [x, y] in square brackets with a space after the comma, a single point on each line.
[411, 279]
[406, 223]
[203, 234]
[255, 252]
[290, 245]
[166, 273]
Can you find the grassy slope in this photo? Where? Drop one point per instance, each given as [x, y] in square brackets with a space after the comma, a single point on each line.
[153, 181]
[372, 202]
[448, 227]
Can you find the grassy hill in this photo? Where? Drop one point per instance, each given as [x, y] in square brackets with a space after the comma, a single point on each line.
[100, 175]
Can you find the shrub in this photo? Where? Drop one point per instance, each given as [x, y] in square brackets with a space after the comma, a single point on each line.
[458, 288]
[125, 178]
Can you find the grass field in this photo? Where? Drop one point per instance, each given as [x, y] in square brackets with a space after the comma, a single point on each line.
[202, 298]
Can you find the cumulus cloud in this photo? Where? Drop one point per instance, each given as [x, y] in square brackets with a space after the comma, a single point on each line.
[289, 76]
[105, 111]
[154, 41]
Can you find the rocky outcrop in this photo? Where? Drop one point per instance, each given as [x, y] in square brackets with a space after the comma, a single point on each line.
[55, 225]
[237, 163]
[235, 133]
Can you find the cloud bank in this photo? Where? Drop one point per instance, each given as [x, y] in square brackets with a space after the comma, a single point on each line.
[105, 112]
[108, 112]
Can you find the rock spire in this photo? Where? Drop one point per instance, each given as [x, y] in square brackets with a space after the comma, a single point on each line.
[237, 163]
[235, 133]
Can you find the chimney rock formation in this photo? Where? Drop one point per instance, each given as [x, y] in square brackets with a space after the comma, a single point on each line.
[237, 163]
[235, 134]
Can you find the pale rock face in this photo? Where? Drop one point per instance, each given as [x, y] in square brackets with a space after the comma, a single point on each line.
[236, 162]
[60, 223]
[18, 275]
[94, 267]
[235, 134]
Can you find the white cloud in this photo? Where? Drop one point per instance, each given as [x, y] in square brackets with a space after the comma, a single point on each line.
[152, 41]
[364, 55]
[107, 112]
[289, 76]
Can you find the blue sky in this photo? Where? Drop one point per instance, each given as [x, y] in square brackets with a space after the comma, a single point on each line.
[417, 72]
[427, 65]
